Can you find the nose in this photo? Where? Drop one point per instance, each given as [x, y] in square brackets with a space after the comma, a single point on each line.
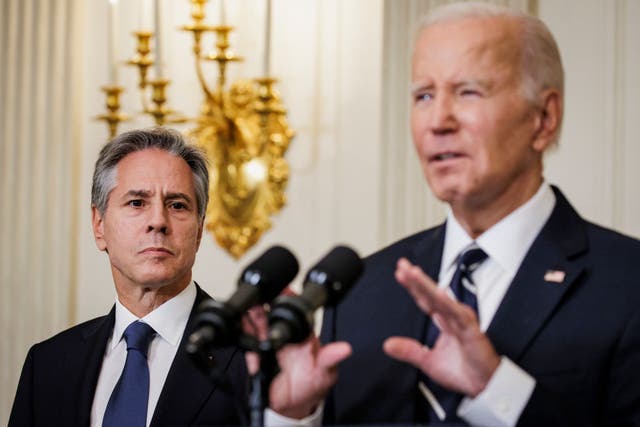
[441, 117]
[158, 219]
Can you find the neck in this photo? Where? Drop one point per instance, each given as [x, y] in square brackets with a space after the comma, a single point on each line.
[141, 300]
[476, 218]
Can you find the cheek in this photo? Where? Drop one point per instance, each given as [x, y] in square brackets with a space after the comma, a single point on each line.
[191, 238]
[418, 124]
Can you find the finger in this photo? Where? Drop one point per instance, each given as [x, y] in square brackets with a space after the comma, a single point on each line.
[253, 362]
[255, 322]
[454, 316]
[459, 324]
[407, 350]
[423, 289]
[418, 284]
[331, 354]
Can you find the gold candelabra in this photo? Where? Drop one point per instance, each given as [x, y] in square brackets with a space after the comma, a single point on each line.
[242, 129]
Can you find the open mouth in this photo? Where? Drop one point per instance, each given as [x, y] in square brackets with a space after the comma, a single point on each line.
[445, 156]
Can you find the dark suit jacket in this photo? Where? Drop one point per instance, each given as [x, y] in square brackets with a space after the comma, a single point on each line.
[59, 378]
[580, 339]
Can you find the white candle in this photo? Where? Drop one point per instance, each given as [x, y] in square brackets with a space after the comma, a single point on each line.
[267, 41]
[145, 15]
[223, 13]
[158, 35]
[112, 49]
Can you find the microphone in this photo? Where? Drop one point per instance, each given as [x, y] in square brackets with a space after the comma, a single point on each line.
[291, 318]
[219, 323]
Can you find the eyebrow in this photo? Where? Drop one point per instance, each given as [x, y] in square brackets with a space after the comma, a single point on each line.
[484, 83]
[145, 194]
[418, 87]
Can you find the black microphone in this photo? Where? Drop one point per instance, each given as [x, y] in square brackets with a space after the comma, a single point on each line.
[291, 318]
[219, 323]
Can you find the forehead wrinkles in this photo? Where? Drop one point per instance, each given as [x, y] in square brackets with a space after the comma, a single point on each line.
[474, 45]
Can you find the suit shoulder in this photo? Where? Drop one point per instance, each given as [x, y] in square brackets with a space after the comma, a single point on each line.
[402, 247]
[609, 233]
[71, 334]
[615, 244]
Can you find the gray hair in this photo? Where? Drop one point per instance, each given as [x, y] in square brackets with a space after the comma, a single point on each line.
[541, 62]
[171, 141]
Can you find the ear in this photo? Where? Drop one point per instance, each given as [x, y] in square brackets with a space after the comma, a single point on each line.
[98, 228]
[200, 231]
[548, 120]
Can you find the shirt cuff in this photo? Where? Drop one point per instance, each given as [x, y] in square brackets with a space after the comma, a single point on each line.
[273, 419]
[503, 399]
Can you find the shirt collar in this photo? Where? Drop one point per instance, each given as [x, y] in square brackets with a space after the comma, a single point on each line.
[168, 320]
[508, 241]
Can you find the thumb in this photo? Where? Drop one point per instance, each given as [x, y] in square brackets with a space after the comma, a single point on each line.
[331, 354]
[406, 350]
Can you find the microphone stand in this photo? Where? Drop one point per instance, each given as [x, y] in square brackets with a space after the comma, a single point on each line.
[268, 368]
[261, 382]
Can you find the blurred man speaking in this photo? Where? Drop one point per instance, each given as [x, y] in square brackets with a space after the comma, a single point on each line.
[532, 313]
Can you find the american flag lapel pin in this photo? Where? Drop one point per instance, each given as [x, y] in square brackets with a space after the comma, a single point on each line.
[554, 276]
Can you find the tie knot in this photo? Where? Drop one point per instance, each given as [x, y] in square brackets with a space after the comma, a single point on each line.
[471, 259]
[138, 335]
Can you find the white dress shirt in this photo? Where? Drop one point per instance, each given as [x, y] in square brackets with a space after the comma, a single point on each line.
[506, 244]
[169, 321]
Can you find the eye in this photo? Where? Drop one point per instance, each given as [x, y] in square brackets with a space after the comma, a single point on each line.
[422, 97]
[469, 92]
[136, 203]
[179, 206]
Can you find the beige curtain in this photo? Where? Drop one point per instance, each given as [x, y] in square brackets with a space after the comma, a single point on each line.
[40, 61]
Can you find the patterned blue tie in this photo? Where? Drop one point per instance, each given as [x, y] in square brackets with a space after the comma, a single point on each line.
[128, 403]
[464, 290]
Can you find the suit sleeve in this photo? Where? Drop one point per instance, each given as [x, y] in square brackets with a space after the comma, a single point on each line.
[622, 405]
[619, 404]
[22, 410]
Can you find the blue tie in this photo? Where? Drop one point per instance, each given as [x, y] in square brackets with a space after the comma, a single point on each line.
[464, 290]
[128, 403]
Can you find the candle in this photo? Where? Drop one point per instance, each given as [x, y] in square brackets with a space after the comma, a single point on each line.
[223, 13]
[267, 40]
[111, 41]
[145, 15]
[158, 30]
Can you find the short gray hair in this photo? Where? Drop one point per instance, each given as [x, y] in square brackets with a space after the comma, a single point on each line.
[541, 62]
[171, 141]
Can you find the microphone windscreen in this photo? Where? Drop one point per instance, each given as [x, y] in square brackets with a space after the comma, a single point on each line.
[271, 272]
[338, 270]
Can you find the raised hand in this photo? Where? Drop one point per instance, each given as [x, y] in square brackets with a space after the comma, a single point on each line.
[462, 359]
[307, 370]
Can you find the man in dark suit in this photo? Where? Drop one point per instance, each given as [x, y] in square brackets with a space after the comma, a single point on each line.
[149, 198]
[535, 319]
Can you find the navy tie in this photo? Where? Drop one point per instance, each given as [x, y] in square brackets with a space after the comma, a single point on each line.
[464, 290]
[128, 403]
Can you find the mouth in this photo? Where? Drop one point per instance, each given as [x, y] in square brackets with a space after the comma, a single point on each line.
[156, 251]
[444, 156]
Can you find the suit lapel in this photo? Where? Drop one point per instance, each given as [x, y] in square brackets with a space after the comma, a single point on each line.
[428, 256]
[536, 289]
[186, 388]
[90, 354]
[428, 252]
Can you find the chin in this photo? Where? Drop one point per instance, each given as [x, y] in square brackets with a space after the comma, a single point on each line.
[446, 194]
[155, 281]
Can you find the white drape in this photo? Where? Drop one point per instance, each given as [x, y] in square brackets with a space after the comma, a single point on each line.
[39, 135]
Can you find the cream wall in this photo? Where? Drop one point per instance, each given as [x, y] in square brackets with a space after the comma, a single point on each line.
[343, 66]
[596, 163]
